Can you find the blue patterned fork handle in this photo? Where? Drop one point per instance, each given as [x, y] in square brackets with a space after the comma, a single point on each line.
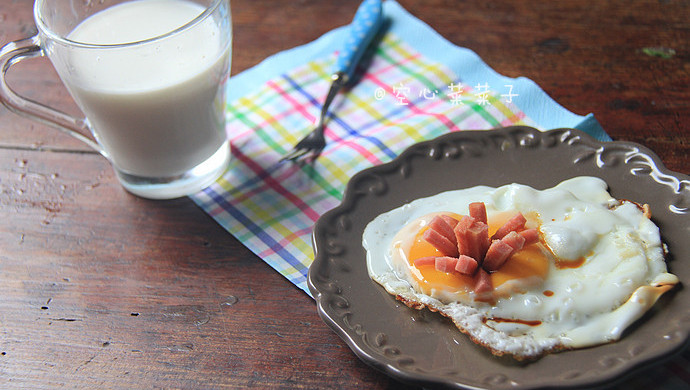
[364, 27]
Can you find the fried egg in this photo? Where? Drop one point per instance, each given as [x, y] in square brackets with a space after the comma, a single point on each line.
[597, 268]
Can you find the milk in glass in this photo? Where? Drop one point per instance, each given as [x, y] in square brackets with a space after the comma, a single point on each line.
[157, 110]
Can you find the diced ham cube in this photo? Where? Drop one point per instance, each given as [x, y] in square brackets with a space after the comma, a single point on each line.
[425, 261]
[441, 226]
[465, 222]
[461, 235]
[478, 211]
[466, 265]
[440, 242]
[516, 223]
[515, 240]
[531, 236]
[446, 263]
[449, 220]
[482, 282]
[477, 240]
[496, 255]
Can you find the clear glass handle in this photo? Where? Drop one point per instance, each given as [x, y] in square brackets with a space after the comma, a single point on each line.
[16, 51]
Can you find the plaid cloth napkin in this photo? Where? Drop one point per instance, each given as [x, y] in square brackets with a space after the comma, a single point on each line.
[416, 86]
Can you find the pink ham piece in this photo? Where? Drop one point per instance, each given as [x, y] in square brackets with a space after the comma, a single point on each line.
[477, 237]
[449, 220]
[478, 211]
[496, 255]
[442, 226]
[515, 223]
[425, 261]
[440, 242]
[446, 263]
[515, 240]
[472, 237]
[466, 265]
[483, 282]
[460, 231]
[531, 236]
[465, 222]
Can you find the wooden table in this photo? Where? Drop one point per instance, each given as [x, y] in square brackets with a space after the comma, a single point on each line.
[99, 288]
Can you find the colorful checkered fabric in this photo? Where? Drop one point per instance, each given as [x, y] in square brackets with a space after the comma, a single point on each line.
[402, 98]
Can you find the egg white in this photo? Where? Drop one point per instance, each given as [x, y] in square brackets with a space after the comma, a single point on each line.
[622, 276]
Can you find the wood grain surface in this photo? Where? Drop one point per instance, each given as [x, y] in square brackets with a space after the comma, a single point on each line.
[101, 289]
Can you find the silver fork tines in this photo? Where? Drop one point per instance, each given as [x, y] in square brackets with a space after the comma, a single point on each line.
[314, 142]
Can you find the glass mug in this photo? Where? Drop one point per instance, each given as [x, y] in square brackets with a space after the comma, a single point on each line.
[149, 75]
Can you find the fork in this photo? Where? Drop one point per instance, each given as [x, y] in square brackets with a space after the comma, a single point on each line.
[365, 25]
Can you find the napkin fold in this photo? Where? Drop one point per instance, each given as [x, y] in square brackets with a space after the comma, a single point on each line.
[414, 86]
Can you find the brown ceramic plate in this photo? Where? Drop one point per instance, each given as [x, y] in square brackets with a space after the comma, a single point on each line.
[424, 348]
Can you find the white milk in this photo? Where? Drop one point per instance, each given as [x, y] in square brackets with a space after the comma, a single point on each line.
[157, 107]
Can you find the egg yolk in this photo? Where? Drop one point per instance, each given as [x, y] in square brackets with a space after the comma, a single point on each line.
[532, 261]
